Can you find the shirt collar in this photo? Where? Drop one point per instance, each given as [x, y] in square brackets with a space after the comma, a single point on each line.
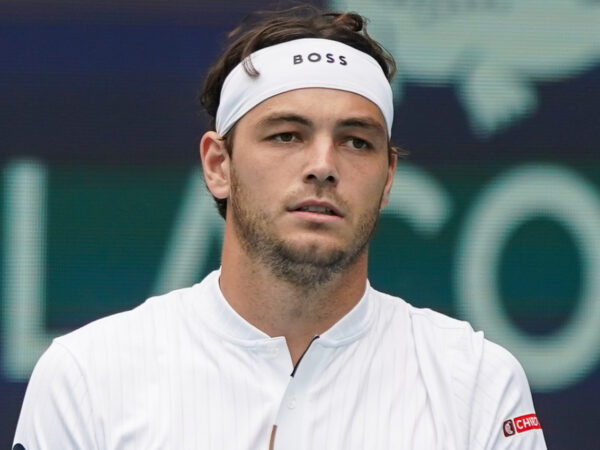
[218, 315]
[353, 325]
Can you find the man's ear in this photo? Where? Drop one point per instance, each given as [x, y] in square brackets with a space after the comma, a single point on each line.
[215, 164]
[385, 198]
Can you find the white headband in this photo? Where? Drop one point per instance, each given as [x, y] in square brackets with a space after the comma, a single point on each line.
[303, 63]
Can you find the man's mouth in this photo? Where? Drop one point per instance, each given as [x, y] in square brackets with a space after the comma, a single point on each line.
[317, 209]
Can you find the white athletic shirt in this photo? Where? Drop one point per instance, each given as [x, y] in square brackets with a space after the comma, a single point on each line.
[185, 371]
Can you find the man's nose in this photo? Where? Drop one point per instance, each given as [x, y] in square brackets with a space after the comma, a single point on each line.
[321, 166]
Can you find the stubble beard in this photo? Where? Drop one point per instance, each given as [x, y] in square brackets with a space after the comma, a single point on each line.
[303, 266]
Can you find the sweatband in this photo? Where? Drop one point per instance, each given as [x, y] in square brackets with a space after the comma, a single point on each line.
[303, 63]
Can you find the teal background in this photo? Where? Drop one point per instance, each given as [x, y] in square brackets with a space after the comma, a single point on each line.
[108, 228]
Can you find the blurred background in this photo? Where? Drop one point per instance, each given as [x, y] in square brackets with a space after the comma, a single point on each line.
[494, 218]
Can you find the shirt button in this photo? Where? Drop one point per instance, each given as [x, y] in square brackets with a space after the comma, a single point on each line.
[292, 402]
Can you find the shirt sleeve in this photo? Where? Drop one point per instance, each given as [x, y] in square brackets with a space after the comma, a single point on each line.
[503, 415]
[56, 411]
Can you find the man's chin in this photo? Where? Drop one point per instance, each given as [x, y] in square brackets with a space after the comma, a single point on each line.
[306, 267]
[315, 254]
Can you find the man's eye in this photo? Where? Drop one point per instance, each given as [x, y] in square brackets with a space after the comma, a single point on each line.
[359, 144]
[283, 137]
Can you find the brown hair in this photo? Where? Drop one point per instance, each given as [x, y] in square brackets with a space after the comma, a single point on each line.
[281, 26]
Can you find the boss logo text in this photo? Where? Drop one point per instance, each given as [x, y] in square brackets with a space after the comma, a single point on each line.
[317, 57]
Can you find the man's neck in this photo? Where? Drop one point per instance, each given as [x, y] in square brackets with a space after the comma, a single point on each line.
[280, 308]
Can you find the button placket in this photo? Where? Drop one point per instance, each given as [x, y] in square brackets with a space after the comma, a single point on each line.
[291, 416]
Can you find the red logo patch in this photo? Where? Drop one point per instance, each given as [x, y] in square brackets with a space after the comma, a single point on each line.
[521, 424]
[525, 423]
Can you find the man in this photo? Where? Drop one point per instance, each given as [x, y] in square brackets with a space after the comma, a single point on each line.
[287, 346]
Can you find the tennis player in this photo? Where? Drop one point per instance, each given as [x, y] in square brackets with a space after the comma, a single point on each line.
[287, 345]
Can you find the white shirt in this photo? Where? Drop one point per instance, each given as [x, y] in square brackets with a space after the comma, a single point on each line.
[185, 371]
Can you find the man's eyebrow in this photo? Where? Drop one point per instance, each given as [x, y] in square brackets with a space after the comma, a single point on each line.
[363, 122]
[274, 119]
